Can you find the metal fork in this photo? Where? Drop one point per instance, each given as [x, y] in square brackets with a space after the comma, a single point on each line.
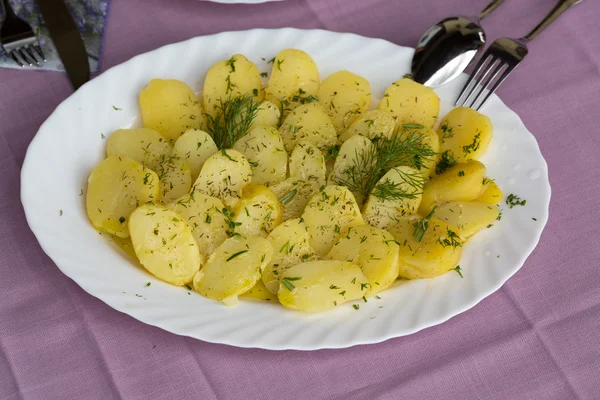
[18, 39]
[500, 59]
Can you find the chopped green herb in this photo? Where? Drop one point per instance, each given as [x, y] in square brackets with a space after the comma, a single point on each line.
[447, 161]
[458, 270]
[116, 108]
[422, 225]
[231, 257]
[288, 197]
[513, 200]
[355, 306]
[148, 284]
[122, 219]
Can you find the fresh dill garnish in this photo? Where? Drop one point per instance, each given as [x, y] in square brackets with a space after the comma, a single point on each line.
[422, 225]
[458, 270]
[412, 126]
[288, 197]
[371, 164]
[231, 257]
[331, 152]
[231, 63]
[287, 282]
[410, 188]
[452, 239]
[232, 120]
[473, 147]
[447, 161]
[514, 200]
[447, 131]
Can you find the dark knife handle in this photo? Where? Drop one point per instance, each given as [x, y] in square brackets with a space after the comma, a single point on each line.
[67, 40]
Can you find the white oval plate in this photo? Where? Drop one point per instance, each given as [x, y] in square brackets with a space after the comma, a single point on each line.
[71, 142]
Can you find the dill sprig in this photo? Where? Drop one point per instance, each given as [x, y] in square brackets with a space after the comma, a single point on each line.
[371, 164]
[422, 225]
[411, 186]
[232, 120]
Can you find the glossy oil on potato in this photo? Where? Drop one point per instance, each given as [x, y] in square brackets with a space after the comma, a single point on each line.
[411, 103]
[492, 194]
[194, 147]
[310, 123]
[164, 244]
[116, 187]
[146, 146]
[267, 114]
[469, 217]
[465, 133]
[294, 73]
[257, 212]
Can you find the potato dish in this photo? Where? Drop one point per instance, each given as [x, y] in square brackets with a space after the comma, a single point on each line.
[295, 191]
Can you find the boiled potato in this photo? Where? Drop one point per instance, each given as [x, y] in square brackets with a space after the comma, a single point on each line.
[382, 213]
[307, 162]
[224, 175]
[170, 107]
[234, 268]
[175, 178]
[204, 215]
[465, 133]
[263, 149]
[374, 250]
[259, 292]
[294, 194]
[491, 194]
[267, 114]
[469, 217]
[462, 182]
[436, 254]
[294, 73]
[345, 97]
[373, 124]
[290, 242]
[411, 103]
[257, 212]
[327, 213]
[125, 245]
[321, 285]
[226, 79]
[164, 244]
[310, 123]
[116, 187]
[346, 160]
[146, 146]
[194, 147]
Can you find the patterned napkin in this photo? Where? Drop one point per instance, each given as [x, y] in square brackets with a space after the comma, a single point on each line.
[90, 17]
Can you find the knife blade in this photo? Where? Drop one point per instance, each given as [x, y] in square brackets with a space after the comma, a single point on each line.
[67, 40]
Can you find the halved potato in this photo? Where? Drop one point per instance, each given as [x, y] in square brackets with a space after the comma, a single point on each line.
[294, 73]
[436, 254]
[146, 146]
[228, 79]
[327, 213]
[170, 107]
[381, 213]
[268, 114]
[224, 175]
[411, 103]
[356, 146]
[290, 242]
[345, 97]
[263, 148]
[294, 194]
[310, 123]
[234, 268]
[374, 250]
[164, 244]
[307, 162]
[194, 147]
[175, 178]
[116, 187]
[257, 212]
[204, 215]
[259, 292]
[373, 124]
[321, 285]
[469, 217]
[465, 133]
[492, 194]
[462, 182]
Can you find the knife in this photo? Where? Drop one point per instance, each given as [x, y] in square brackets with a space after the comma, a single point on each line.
[67, 40]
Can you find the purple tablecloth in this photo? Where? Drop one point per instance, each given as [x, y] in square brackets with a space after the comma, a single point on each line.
[536, 338]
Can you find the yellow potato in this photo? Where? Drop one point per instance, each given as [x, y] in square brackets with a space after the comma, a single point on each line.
[125, 245]
[321, 285]
[436, 254]
[411, 103]
[492, 194]
[164, 244]
[310, 123]
[224, 175]
[170, 107]
[382, 213]
[372, 124]
[257, 212]
[465, 133]
[175, 178]
[204, 215]
[294, 73]
[267, 114]
[345, 97]
[229, 79]
[143, 145]
[462, 182]
[194, 147]
[116, 187]
[469, 217]
[374, 250]
[327, 213]
[233, 269]
[307, 162]
[355, 146]
[290, 242]
[294, 194]
[263, 149]
[259, 292]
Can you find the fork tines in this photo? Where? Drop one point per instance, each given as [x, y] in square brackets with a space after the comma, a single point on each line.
[27, 55]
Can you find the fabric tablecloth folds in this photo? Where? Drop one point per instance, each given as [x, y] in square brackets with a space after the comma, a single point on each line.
[538, 337]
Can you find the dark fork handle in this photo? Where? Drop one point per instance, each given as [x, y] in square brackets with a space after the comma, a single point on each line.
[556, 12]
[8, 9]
